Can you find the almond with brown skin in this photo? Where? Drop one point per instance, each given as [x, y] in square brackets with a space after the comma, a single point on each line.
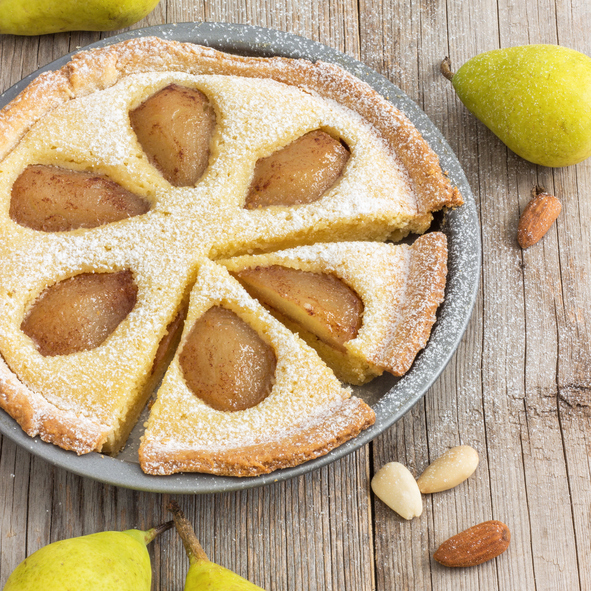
[537, 217]
[475, 545]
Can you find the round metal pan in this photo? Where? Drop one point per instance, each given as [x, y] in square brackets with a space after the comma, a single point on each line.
[390, 397]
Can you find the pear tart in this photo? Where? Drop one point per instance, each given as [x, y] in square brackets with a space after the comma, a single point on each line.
[125, 173]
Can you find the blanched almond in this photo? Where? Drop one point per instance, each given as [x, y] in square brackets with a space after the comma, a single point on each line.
[452, 468]
[396, 486]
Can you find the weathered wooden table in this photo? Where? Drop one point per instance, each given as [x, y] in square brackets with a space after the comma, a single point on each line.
[518, 388]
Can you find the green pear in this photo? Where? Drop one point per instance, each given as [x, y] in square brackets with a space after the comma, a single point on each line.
[38, 17]
[107, 561]
[203, 574]
[535, 98]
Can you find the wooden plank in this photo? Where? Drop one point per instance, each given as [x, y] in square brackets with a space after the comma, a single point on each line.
[14, 487]
[39, 504]
[573, 185]
[180, 11]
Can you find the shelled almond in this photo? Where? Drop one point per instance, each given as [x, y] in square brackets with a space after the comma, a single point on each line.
[452, 468]
[396, 486]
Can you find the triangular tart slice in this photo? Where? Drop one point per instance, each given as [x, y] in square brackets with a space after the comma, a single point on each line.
[83, 346]
[301, 410]
[365, 307]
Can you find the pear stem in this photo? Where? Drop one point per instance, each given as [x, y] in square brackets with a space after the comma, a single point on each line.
[446, 68]
[193, 548]
[156, 531]
[537, 190]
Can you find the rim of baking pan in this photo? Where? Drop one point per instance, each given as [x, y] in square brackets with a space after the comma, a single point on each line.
[399, 395]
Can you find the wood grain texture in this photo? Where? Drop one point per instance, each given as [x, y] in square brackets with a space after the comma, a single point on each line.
[518, 389]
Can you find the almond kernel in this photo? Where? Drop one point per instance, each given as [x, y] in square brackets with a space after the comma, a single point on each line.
[396, 486]
[475, 545]
[537, 217]
[452, 468]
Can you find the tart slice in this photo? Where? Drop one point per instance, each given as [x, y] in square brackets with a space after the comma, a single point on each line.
[84, 342]
[365, 307]
[244, 395]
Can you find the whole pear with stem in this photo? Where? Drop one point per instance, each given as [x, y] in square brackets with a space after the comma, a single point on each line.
[535, 98]
[203, 574]
[105, 561]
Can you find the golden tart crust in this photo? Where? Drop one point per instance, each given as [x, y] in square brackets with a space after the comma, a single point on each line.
[77, 117]
[37, 416]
